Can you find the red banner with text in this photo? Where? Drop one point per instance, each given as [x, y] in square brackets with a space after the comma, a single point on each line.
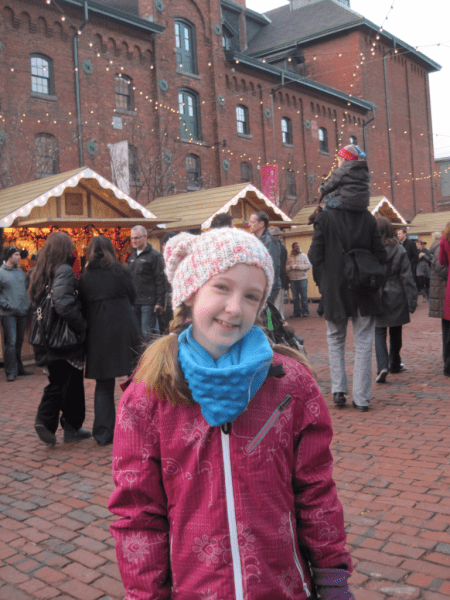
[269, 183]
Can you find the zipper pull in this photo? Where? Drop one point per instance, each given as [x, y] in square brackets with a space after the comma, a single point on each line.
[285, 402]
[226, 428]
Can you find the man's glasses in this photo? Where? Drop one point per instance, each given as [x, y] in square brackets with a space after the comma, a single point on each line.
[133, 239]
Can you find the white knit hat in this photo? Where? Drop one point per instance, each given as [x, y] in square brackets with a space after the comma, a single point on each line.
[191, 260]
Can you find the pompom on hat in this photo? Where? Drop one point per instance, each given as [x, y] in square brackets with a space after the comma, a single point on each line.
[191, 260]
[351, 152]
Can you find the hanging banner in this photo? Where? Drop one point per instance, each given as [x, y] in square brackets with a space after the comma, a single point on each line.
[119, 166]
[269, 183]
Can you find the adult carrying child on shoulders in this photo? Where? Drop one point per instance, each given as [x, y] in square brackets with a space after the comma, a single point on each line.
[221, 454]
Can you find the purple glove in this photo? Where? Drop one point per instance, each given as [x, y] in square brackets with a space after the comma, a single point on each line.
[331, 584]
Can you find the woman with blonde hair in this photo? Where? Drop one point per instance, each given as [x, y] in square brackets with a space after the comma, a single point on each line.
[64, 395]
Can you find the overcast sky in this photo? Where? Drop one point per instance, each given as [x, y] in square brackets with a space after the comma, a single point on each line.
[422, 23]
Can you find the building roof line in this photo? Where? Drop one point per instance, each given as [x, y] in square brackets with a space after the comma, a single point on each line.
[230, 55]
[261, 17]
[99, 8]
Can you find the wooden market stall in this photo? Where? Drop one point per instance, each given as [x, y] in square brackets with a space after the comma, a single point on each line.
[195, 210]
[379, 206]
[425, 224]
[80, 202]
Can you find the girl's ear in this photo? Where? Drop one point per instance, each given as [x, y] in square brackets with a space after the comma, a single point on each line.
[190, 301]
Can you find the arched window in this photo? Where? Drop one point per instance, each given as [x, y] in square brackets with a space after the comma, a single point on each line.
[290, 184]
[246, 172]
[190, 115]
[185, 46]
[193, 174]
[46, 155]
[41, 74]
[323, 139]
[124, 92]
[353, 140]
[242, 121]
[286, 130]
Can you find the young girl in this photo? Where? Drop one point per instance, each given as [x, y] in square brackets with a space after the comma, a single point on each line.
[221, 454]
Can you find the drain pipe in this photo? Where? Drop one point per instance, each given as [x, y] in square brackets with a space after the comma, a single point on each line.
[77, 84]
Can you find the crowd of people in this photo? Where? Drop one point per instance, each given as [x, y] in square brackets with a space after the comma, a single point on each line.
[222, 462]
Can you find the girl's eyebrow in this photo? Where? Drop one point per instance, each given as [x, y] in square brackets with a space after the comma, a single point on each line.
[226, 279]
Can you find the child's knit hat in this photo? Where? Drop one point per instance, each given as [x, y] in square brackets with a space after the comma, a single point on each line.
[191, 260]
[351, 152]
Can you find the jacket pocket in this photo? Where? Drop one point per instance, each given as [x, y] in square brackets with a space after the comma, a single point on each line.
[251, 446]
[297, 560]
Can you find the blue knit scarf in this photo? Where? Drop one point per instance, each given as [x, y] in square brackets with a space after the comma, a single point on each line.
[224, 387]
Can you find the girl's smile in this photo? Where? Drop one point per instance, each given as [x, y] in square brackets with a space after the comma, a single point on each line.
[225, 308]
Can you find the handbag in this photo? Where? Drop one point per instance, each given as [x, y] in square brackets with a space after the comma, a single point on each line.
[49, 330]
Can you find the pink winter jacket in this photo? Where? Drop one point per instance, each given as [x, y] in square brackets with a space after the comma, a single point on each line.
[237, 516]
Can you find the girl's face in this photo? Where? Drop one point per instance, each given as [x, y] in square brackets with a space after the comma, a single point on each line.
[225, 308]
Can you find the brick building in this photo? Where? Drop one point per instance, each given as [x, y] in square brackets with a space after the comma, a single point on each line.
[178, 96]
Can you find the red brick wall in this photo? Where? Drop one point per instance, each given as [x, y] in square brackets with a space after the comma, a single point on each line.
[148, 58]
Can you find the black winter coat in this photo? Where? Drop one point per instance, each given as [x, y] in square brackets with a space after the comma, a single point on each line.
[438, 285]
[67, 306]
[412, 252]
[147, 271]
[399, 294]
[112, 341]
[350, 181]
[357, 229]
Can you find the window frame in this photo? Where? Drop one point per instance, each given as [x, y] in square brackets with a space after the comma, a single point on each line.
[189, 66]
[248, 167]
[291, 188]
[197, 183]
[47, 157]
[286, 132]
[119, 78]
[242, 110]
[184, 103]
[323, 142]
[49, 80]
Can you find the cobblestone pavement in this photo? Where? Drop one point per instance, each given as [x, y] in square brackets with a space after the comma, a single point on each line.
[392, 468]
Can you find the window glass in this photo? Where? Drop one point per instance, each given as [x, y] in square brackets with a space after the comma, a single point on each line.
[246, 172]
[41, 75]
[133, 165]
[46, 155]
[242, 120]
[290, 184]
[189, 111]
[192, 172]
[353, 140]
[185, 46]
[124, 92]
[286, 130]
[323, 139]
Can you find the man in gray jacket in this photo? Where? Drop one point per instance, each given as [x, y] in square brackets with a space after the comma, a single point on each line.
[14, 307]
[259, 226]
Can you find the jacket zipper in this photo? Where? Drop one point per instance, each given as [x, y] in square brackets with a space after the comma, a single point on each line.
[261, 435]
[237, 572]
[297, 562]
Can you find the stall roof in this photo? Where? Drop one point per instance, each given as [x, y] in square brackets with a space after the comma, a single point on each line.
[377, 204]
[65, 222]
[197, 209]
[18, 201]
[429, 222]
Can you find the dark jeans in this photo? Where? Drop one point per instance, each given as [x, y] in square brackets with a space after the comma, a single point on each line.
[13, 333]
[147, 319]
[392, 360]
[64, 394]
[104, 411]
[446, 344]
[423, 285]
[299, 289]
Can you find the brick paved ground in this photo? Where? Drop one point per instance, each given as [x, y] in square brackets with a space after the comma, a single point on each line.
[392, 467]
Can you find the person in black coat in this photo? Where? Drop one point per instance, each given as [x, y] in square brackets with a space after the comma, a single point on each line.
[336, 231]
[107, 294]
[411, 249]
[65, 392]
[399, 299]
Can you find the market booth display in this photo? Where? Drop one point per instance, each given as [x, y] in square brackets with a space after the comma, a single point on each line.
[425, 224]
[379, 206]
[196, 210]
[79, 202]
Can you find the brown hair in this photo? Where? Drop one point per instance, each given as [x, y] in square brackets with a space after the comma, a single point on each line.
[387, 231]
[160, 370]
[100, 249]
[55, 252]
[447, 232]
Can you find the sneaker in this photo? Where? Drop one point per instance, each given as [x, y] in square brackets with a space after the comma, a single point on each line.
[45, 435]
[400, 369]
[381, 377]
[75, 435]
